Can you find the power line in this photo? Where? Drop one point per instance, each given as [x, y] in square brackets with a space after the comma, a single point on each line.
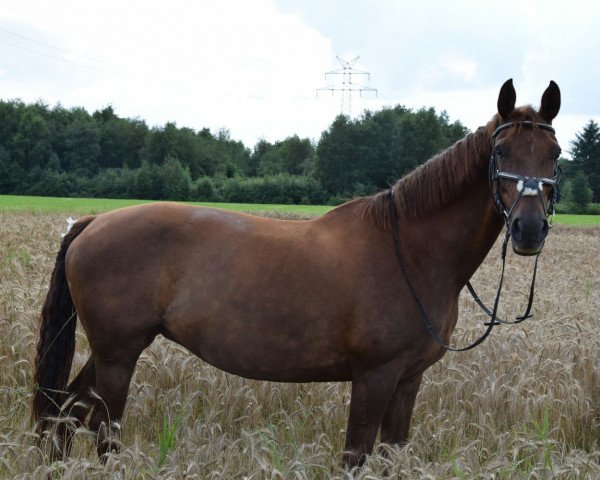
[137, 76]
[169, 53]
[81, 13]
[50, 16]
[53, 47]
[347, 86]
[89, 67]
[172, 57]
[141, 41]
[168, 65]
[44, 13]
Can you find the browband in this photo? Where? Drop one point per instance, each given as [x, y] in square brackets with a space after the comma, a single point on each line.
[525, 123]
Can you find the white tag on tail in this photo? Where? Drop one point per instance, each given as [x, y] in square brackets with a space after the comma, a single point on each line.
[70, 222]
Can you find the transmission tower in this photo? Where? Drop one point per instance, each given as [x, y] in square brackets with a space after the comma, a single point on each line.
[347, 86]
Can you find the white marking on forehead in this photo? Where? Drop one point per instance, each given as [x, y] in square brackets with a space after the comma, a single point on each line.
[532, 148]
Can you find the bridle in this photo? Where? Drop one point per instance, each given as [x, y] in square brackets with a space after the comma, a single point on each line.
[526, 186]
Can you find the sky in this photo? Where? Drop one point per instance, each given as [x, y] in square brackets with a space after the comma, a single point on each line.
[253, 67]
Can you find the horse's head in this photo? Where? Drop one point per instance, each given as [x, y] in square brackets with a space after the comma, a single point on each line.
[524, 171]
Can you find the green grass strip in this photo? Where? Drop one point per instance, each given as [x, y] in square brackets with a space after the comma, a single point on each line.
[83, 206]
[577, 220]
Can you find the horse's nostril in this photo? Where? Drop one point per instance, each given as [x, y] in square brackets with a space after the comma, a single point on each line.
[545, 228]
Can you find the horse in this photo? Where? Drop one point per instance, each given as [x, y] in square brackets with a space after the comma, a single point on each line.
[319, 300]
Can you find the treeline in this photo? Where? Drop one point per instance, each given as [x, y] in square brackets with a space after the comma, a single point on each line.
[57, 151]
[580, 192]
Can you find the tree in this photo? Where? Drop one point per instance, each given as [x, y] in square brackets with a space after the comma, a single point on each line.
[581, 193]
[11, 173]
[148, 182]
[292, 155]
[585, 150]
[204, 190]
[160, 144]
[176, 180]
[81, 144]
[120, 139]
[296, 153]
[30, 145]
[188, 151]
[382, 173]
[10, 116]
[417, 137]
[50, 150]
[336, 156]
[420, 135]
[270, 162]
[370, 153]
[260, 148]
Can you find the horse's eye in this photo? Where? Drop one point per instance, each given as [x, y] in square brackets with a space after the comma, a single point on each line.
[499, 153]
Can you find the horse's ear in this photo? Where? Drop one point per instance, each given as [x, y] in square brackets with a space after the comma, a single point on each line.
[550, 102]
[507, 99]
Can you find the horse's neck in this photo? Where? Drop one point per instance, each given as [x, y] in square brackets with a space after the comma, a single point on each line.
[478, 225]
[451, 243]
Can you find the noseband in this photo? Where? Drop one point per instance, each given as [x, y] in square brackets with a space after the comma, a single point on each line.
[526, 186]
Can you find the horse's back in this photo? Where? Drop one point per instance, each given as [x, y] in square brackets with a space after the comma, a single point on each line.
[155, 246]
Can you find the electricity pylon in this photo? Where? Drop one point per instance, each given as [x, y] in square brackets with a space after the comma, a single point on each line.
[347, 86]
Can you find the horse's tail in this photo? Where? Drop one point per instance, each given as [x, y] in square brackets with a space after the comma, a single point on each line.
[56, 344]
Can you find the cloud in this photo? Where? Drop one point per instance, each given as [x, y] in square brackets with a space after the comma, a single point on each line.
[253, 67]
[240, 65]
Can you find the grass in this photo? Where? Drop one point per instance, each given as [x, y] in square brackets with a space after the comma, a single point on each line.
[83, 206]
[167, 437]
[577, 220]
[525, 404]
[542, 430]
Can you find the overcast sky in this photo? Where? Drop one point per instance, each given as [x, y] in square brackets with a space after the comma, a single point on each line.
[253, 66]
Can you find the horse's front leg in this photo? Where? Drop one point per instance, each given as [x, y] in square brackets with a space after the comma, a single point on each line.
[396, 420]
[371, 392]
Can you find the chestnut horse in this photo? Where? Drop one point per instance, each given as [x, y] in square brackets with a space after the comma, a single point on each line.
[293, 301]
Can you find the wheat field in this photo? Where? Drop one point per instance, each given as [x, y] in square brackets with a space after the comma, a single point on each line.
[524, 405]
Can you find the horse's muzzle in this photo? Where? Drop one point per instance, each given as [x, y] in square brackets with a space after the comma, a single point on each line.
[528, 234]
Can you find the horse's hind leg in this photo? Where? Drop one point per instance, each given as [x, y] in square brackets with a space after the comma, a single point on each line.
[113, 375]
[74, 411]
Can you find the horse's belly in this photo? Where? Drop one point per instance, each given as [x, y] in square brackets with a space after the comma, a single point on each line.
[339, 373]
[259, 347]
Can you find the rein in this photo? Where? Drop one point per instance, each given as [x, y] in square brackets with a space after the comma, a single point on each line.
[525, 186]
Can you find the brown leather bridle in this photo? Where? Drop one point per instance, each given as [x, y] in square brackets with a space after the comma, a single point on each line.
[525, 185]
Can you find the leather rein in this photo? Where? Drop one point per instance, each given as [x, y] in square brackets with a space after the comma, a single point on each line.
[526, 186]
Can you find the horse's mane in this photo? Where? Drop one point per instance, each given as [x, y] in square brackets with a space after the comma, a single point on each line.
[442, 178]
